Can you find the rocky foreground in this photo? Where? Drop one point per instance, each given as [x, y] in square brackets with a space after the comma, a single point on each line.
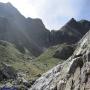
[73, 74]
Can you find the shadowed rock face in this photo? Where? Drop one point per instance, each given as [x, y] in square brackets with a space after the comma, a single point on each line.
[32, 35]
[71, 32]
[64, 52]
[73, 74]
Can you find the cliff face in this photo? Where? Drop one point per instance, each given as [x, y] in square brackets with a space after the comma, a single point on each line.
[71, 32]
[73, 74]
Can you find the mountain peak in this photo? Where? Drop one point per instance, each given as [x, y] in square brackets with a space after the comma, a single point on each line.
[36, 21]
[72, 21]
[9, 4]
[3, 4]
[7, 10]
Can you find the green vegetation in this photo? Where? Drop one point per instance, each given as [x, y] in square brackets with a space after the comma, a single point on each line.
[9, 54]
[46, 60]
[64, 51]
[22, 63]
[32, 68]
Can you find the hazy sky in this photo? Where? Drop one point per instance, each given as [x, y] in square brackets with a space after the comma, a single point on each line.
[54, 13]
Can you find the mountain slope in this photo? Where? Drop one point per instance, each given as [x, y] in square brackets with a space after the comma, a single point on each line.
[14, 29]
[73, 74]
[71, 32]
[31, 34]
[54, 55]
[22, 63]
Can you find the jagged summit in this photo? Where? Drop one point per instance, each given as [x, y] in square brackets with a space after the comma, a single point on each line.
[71, 21]
[7, 10]
[36, 21]
[7, 4]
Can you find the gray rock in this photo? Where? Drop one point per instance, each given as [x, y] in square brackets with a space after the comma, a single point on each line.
[73, 74]
[7, 72]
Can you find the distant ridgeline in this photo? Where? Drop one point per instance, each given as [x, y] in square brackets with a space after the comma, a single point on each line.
[30, 35]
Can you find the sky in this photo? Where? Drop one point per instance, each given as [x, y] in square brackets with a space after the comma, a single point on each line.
[54, 13]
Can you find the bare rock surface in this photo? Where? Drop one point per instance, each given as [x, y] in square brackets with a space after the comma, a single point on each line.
[73, 74]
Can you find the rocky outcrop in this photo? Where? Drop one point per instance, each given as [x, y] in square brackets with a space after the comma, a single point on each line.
[7, 72]
[73, 74]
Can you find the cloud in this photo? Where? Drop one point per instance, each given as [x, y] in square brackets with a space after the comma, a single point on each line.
[54, 13]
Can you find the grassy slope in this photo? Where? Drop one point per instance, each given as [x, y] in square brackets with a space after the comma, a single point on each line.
[46, 60]
[9, 54]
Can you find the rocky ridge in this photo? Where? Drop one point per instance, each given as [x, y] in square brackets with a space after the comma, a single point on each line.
[73, 74]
